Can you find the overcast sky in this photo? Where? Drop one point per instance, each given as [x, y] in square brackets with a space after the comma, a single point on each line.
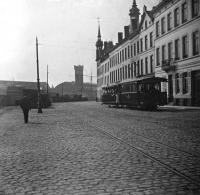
[66, 30]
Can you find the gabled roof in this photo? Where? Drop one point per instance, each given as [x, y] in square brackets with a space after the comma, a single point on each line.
[150, 14]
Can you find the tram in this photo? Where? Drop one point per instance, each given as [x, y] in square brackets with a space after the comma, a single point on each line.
[144, 93]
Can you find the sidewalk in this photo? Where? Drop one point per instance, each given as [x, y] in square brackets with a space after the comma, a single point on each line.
[180, 107]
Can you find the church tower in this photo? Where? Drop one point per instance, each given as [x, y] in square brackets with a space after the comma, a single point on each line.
[99, 45]
[134, 17]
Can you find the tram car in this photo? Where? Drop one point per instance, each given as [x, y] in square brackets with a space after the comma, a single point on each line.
[145, 94]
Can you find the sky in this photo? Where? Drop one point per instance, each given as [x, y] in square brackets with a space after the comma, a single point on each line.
[66, 31]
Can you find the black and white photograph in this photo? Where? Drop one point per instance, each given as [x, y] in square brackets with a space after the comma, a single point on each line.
[100, 97]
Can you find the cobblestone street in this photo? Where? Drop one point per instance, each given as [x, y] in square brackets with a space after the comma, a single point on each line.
[87, 148]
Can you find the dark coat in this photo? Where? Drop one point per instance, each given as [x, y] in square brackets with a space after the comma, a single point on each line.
[25, 103]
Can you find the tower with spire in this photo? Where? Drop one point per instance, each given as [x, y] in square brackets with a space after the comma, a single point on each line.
[99, 45]
[134, 14]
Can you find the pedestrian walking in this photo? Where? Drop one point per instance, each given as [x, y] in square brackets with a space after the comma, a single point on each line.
[25, 105]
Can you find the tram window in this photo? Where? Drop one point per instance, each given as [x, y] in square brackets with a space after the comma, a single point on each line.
[141, 87]
[157, 86]
[134, 88]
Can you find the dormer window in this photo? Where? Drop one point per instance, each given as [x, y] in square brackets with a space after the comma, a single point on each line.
[145, 24]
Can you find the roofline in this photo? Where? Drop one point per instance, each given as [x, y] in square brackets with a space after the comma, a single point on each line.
[160, 5]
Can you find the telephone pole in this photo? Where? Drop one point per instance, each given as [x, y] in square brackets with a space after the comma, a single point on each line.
[47, 80]
[91, 84]
[38, 79]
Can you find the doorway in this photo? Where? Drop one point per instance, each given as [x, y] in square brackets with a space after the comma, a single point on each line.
[196, 88]
[170, 89]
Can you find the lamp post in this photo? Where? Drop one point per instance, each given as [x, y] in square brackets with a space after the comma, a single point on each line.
[38, 80]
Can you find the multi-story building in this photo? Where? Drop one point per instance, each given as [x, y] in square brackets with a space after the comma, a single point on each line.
[177, 48]
[116, 63]
[165, 43]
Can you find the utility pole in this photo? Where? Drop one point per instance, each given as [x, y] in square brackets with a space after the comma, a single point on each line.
[38, 79]
[91, 83]
[47, 80]
[62, 90]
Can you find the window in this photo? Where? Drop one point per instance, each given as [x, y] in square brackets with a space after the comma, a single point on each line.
[163, 25]
[138, 68]
[151, 63]
[146, 42]
[125, 53]
[146, 65]
[158, 56]
[176, 17]
[157, 29]
[169, 21]
[195, 40]
[118, 58]
[141, 67]
[138, 47]
[170, 50]
[131, 51]
[129, 71]
[134, 49]
[122, 55]
[151, 39]
[185, 82]
[135, 68]
[145, 24]
[118, 74]
[177, 83]
[141, 45]
[185, 46]
[177, 52]
[195, 8]
[132, 70]
[184, 12]
[125, 72]
[128, 52]
[163, 52]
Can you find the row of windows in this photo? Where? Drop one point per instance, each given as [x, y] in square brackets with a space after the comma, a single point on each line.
[121, 56]
[180, 15]
[145, 45]
[142, 67]
[177, 53]
[131, 50]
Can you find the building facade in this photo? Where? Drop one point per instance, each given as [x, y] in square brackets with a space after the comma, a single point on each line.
[165, 42]
[177, 47]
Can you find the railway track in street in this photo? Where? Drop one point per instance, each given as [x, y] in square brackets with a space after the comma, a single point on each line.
[190, 170]
[156, 141]
[151, 157]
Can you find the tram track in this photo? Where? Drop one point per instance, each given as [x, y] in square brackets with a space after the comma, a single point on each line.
[188, 175]
[155, 141]
[157, 123]
[167, 156]
[151, 157]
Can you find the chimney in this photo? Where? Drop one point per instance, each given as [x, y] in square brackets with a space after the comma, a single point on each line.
[110, 45]
[105, 46]
[120, 37]
[126, 31]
